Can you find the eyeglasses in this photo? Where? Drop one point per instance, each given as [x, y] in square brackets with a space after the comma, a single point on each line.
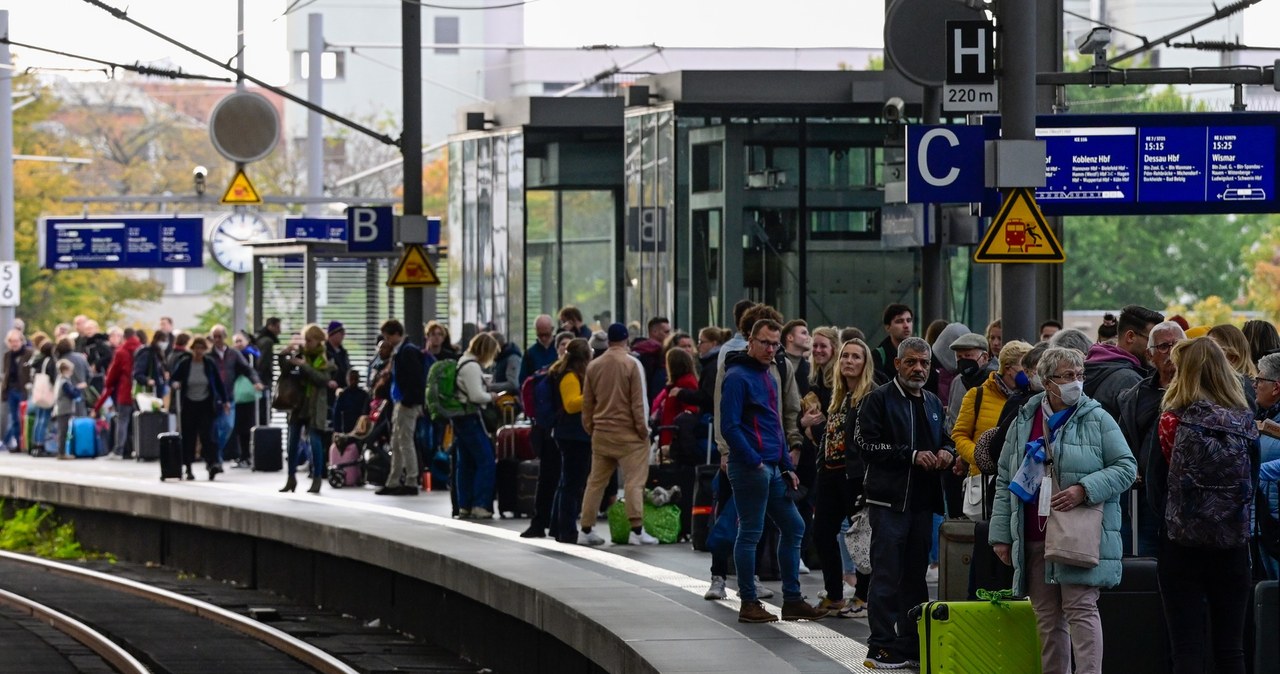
[1067, 377]
[772, 346]
[1164, 347]
[1258, 379]
[1144, 336]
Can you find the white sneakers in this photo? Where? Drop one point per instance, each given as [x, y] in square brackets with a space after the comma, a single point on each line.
[762, 592]
[642, 538]
[931, 576]
[716, 591]
[589, 538]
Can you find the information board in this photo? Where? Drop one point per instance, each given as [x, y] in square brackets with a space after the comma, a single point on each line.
[1139, 164]
[316, 229]
[121, 242]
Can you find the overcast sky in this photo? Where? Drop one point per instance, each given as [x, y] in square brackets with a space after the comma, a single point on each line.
[210, 26]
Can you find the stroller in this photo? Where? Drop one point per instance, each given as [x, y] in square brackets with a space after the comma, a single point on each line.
[360, 457]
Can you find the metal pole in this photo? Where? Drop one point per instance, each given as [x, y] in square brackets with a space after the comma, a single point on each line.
[933, 268]
[240, 282]
[411, 148]
[1049, 59]
[1018, 122]
[315, 94]
[6, 162]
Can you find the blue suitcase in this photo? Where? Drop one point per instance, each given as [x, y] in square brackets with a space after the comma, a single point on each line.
[82, 438]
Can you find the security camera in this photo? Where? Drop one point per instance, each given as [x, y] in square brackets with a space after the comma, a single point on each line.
[198, 174]
[894, 109]
[1095, 41]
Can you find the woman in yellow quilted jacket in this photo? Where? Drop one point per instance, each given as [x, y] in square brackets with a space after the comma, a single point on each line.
[982, 404]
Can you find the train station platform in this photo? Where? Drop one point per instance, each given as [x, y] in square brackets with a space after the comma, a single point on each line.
[503, 602]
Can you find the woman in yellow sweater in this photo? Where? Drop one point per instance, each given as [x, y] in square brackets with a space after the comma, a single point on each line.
[567, 375]
[979, 412]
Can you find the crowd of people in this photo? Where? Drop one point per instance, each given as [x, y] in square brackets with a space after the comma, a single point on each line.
[1129, 440]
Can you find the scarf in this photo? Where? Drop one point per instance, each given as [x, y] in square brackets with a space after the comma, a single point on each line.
[833, 442]
[1269, 413]
[1026, 482]
[318, 362]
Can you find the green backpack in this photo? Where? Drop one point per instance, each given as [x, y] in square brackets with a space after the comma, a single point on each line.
[443, 401]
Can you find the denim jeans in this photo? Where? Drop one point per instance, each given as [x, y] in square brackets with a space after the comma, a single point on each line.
[760, 490]
[1148, 526]
[14, 431]
[299, 430]
[40, 433]
[476, 467]
[575, 463]
[899, 559]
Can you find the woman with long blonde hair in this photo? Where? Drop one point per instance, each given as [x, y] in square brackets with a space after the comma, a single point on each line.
[1208, 436]
[839, 482]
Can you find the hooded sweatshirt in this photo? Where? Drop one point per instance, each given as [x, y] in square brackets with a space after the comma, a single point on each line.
[1109, 371]
[119, 381]
[944, 359]
[750, 416]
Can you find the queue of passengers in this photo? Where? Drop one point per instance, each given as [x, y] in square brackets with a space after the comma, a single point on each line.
[814, 427]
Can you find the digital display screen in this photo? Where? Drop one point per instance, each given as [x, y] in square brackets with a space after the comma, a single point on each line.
[122, 243]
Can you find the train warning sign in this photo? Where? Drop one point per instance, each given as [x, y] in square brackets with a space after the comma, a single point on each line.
[1019, 234]
[413, 270]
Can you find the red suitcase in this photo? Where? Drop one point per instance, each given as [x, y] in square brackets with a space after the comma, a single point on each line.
[514, 442]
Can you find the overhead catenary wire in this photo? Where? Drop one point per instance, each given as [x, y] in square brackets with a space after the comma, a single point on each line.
[124, 16]
[465, 9]
[135, 67]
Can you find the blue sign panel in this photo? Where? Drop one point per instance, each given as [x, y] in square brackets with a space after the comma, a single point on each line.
[944, 164]
[433, 231]
[316, 229]
[1145, 164]
[370, 229]
[109, 242]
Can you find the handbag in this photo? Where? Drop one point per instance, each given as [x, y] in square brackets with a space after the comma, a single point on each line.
[983, 457]
[42, 393]
[242, 391]
[973, 487]
[857, 540]
[288, 393]
[492, 418]
[1072, 537]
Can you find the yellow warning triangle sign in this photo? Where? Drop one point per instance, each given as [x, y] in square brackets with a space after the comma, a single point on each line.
[413, 270]
[1019, 234]
[241, 191]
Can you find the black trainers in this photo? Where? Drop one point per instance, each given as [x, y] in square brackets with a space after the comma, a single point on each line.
[882, 659]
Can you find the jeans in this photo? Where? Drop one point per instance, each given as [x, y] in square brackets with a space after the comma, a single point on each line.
[40, 432]
[124, 428]
[314, 444]
[1205, 589]
[1148, 525]
[575, 463]
[760, 490]
[14, 431]
[899, 559]
[477, 469]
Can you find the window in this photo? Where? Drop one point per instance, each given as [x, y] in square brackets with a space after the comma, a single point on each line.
[333, 65]
[447, 32]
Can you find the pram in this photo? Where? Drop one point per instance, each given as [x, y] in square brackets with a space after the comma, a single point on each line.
[360, 457]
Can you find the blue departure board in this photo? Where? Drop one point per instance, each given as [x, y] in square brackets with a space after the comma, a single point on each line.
[1154, 163]
[121, 242]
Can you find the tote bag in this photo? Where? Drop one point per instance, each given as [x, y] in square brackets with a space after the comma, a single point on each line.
[1072, 537]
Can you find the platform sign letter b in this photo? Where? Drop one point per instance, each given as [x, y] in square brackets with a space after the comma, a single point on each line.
[369, 229]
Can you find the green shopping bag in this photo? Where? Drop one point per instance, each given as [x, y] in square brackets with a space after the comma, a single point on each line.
[663, 523]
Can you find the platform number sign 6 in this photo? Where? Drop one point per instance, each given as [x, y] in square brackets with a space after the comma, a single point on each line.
[10, 284]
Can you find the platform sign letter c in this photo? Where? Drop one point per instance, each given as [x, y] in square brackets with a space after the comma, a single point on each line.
[922, 157]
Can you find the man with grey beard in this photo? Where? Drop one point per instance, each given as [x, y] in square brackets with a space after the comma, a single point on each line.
[899, 434]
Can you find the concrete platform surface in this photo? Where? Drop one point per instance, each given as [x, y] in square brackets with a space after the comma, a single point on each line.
[627, 608]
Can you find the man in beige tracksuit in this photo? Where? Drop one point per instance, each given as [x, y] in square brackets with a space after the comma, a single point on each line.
[615, 413]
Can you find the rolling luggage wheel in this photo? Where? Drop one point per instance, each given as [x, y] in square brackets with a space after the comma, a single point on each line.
[336, 479]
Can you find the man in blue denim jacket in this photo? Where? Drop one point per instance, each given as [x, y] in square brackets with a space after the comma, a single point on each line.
[761, 473]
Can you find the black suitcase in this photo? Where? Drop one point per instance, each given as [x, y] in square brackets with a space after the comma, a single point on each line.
[1266, 621]
[988, 572]
[506, 484]
[267, 445]
[527, 487]
[669, 476]
[169, 446]
[703, 513]
[147, 427]
[1133, 626]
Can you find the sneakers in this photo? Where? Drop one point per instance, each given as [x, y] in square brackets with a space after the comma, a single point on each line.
[854, 608]
[534, 532]
[716, 591]
[463, 513]
[833, 607]
[762, 592]
[478, 513]
[803, 569]
[590, 538]
[753, 612]
[931, 576]
[882, 659]
[642, 538]
[799, 609]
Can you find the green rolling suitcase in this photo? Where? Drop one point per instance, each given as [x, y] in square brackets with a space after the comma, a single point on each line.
[978, 636]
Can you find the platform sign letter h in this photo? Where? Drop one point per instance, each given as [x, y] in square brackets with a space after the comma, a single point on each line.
[970, 52]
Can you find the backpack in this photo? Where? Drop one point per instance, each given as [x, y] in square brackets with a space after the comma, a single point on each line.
[443, 401]
[529, 395]
[1210, 486]
[547, 407]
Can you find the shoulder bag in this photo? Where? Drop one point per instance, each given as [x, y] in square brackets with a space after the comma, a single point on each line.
[1072, 537]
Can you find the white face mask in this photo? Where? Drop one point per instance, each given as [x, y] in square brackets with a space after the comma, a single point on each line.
[162, 345]
[1036, 384]
[1070, 392]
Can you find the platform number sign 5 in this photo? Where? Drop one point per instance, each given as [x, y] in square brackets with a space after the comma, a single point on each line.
[10, 284]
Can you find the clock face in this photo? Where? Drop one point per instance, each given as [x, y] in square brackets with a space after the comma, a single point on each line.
[227, 240]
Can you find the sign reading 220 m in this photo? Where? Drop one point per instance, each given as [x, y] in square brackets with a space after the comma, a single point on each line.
[1139, 164]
